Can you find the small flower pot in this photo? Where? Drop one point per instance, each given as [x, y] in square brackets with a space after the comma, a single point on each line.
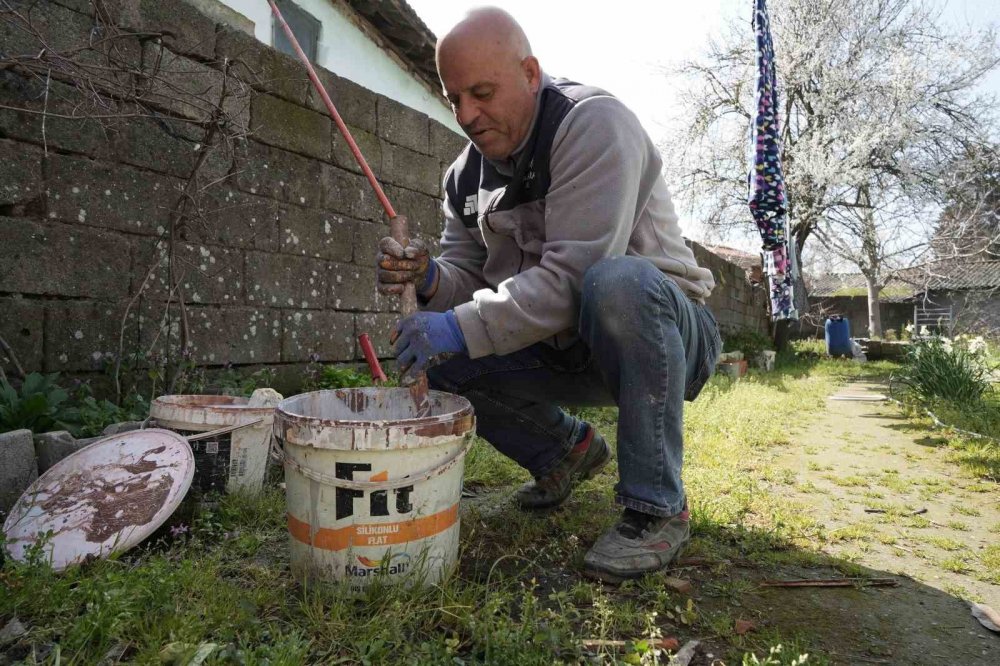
[732, 369]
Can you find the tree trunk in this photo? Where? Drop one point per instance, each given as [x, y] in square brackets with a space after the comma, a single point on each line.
[874, 309]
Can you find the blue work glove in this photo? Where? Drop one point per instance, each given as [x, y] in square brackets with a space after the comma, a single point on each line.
[425, 339]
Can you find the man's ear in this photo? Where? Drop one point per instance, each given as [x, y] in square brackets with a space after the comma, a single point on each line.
[532, 72]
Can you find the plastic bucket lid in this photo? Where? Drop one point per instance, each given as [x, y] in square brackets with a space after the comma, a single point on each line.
[105, 498]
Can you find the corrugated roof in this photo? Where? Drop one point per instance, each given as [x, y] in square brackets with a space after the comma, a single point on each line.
[972, 275]
[935, 277]
[405, 31]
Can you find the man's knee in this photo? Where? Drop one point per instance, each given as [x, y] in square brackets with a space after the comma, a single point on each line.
[614, 286]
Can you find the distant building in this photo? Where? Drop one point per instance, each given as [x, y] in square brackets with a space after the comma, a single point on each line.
[952, 298]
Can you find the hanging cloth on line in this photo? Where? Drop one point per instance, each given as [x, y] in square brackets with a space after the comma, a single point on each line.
[765, 183]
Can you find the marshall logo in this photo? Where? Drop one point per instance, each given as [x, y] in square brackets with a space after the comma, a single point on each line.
[391, 565]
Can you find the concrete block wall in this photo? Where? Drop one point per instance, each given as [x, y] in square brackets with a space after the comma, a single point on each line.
[735, 302]
[274, 254]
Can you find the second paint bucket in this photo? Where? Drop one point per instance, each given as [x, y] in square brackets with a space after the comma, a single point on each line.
[235, 461]
[373, 484]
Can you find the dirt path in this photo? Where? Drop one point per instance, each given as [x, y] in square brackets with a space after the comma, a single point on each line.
[885, 497]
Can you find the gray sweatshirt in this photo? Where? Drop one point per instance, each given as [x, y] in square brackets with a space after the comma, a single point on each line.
[585, 184]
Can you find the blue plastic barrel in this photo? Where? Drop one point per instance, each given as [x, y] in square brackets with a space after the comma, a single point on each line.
[838, 336]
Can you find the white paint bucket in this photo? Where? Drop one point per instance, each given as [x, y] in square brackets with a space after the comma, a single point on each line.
[373, 486]
[231, 461]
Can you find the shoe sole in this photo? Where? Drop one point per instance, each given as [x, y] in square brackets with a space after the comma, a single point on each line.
[588, 474]
[614, 578]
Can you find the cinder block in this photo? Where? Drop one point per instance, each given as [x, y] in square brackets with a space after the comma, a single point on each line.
[355, 104]
[22, 326]
[271, 172]
[424, 211]
[368, 144]
[328, 336]
[51, 447]
[83, 135]
[378, 327]
[189, 88]
[234, 335]
[82, 335]
[403, 126]
[223, 16]
[169, 146]
[62, 30]
[410, 169]
[320, 234]
[366, 239]
[185, 30]
[111, 196]
[205, 273]
[17, 467]
[350, 194]
[277, 280]
[264, 68]
[62, 260]
[446, 144]
[280, 123]
[353, 287]
[227, 216]
[20, 173]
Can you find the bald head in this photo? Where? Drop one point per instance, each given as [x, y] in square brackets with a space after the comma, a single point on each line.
[486, 27]
[490, 77]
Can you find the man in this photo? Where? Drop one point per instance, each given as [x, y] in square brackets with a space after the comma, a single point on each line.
[562, 279]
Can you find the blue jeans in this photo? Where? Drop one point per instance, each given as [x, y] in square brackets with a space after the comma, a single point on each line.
[644, 346]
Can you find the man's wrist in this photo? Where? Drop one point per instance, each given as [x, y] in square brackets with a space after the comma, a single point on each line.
[427, 290]
[456, 329]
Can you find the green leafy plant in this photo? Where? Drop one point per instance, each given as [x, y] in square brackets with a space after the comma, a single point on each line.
[95, 415]
[748, 341]
[944, 369]
[232, 382]
[39, 405]
[333, 377]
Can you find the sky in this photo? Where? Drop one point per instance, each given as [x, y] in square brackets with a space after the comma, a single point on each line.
[627, 47]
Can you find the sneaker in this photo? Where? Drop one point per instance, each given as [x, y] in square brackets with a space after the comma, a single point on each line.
[584, 461]
[637, 545]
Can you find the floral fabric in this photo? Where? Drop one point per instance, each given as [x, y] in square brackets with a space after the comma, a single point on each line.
[766, 184]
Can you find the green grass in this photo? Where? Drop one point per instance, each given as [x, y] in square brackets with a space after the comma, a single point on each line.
[518, 596]
[979, 457]
[990, 559]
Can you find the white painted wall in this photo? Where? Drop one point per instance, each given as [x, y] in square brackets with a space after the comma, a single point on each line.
[346, 51]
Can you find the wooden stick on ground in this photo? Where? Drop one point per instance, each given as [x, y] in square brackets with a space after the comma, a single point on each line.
[833, 582]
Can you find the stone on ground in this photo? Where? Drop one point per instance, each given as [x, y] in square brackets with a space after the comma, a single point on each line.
[18, 467]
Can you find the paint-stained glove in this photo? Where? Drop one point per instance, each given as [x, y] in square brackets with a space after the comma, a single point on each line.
[398, 265]
[425, 339]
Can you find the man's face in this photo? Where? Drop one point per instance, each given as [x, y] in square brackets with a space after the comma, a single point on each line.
[493, 97]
